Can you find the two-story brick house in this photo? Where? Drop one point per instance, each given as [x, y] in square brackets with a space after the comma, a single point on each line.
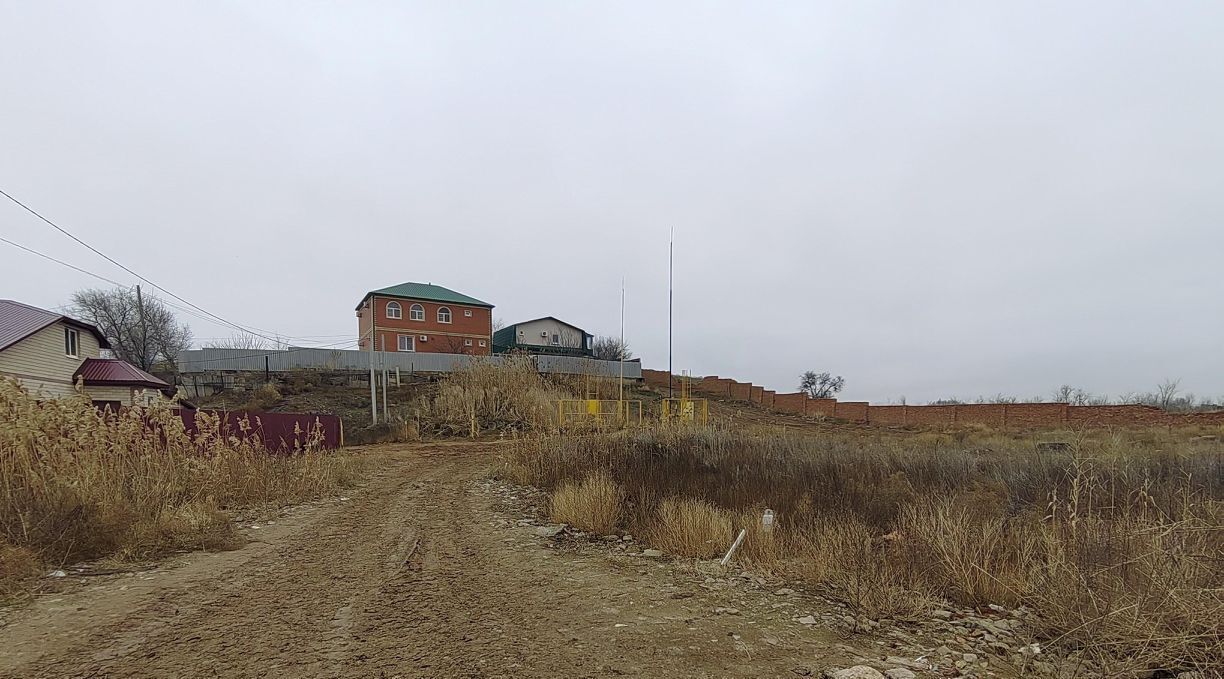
[426, 318]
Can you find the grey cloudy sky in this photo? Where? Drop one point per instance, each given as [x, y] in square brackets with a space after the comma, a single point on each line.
[929, 198]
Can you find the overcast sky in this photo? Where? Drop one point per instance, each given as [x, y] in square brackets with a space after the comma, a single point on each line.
[931, 199]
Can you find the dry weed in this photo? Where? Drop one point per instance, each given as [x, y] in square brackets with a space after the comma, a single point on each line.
[594, 505]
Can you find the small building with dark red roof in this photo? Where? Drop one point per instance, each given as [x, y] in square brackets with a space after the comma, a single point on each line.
[46, 352]
[110, 381]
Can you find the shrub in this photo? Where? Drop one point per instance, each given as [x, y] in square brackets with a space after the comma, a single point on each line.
[77, 484]
[594, 505]
[691, 527]
[487, 396]
[1111, 541]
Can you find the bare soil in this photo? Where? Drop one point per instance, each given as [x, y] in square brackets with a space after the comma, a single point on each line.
[423, 572]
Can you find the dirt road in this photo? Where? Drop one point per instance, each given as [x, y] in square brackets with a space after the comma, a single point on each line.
[419, 573]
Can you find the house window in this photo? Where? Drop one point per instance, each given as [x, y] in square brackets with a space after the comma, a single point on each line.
[394, 310]
[467, 313]
[467, 343]
[416, 312]
[556, 340]
[71, 342]
[482, 343]
[406, 343]
[444, 315]
[588, 342]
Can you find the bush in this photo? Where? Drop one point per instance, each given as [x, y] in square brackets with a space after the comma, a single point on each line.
[691, 527]
[593, 505]
[1112, 541]
[486, 396]
[77, 484]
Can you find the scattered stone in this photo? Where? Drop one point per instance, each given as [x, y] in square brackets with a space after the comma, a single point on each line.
[907, 663]
[1193, 674]
[856, 672]
[942, 615]
[57, 573]
[802, 671]
[627, 538]
[550, 531]
[652, 553]
[807, 620]
[611, 538]
[899, 673]
[727, 610]
[785, 591]
[969, 657]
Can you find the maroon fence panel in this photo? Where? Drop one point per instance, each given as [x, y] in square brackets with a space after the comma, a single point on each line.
[278, 431]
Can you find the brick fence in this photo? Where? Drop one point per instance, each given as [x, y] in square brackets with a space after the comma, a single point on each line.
[1019, 415]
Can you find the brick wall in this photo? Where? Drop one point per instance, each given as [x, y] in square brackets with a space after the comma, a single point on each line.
[822, 407]
[851, 411]
[1020, 415]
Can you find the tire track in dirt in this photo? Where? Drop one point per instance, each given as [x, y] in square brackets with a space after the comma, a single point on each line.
[416, 576]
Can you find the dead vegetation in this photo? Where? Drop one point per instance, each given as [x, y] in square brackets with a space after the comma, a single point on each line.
[76, 484]
[1114, 539]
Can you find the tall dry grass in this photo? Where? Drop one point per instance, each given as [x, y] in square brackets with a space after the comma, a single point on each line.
[78, 484]
[486, 396]
[593, 505]
[1114, 541]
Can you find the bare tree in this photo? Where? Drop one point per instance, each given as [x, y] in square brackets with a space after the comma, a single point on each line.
[246, 340]
[1072, 395]
[498, 324]
[141, 331]
[608, 348]
[820, 385]
[1166, 393]
[454, 345]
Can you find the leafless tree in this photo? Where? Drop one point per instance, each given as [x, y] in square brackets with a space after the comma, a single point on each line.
[248, 341]
[1166, 393]
[1072, 395]
[143, 332]
[454, 345]
[820, 385]
[498, 324]
[608, 348]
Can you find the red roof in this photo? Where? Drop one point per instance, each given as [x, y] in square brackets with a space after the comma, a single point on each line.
[18, 321]
[114, 372]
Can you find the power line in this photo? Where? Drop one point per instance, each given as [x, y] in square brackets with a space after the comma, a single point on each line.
[63, 263]
[110, 259]
[182, 309]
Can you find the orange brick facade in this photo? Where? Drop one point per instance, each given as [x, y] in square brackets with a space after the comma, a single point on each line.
[1002, 415]
[470, 330]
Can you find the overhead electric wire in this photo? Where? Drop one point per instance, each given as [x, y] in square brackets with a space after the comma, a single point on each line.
[340, 344]
[63, 263]
[110, 259]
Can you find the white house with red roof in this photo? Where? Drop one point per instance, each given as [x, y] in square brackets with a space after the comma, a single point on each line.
[46, 353]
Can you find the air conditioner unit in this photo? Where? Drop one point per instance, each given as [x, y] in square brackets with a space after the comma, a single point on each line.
[424, 338]
[543, 333]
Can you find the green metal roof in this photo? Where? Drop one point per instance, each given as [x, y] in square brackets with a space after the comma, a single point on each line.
[428, 292]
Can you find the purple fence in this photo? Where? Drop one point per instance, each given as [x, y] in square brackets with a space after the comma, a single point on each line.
[278, 431]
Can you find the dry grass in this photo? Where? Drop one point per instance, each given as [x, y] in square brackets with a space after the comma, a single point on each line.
[690, 527]
[76, 484]
[1115, 541]
[485, 396]
[594, 505]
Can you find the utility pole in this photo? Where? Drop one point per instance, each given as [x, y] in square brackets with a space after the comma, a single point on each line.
[144, 332]
[373, 387]
[383, 362]
[671, 258]
[624, 414]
